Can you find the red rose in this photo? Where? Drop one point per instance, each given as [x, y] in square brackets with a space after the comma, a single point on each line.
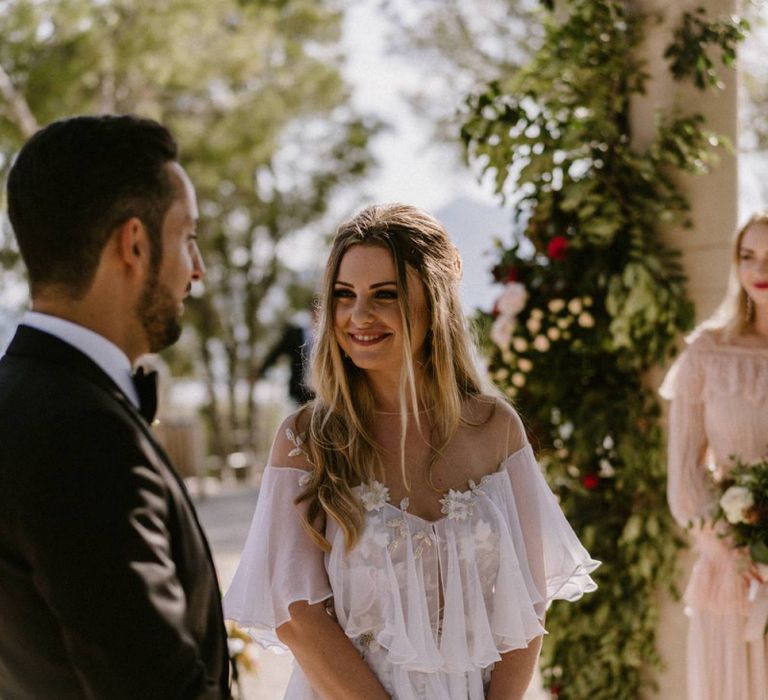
[555, 690]
[590, 481]
[556, 248]
[511, 275]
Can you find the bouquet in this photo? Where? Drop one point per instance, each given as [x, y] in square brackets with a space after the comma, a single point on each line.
[743, 506]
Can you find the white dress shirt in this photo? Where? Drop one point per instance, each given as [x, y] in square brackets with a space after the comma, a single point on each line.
[110, 358]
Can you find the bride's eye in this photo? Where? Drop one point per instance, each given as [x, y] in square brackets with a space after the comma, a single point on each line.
[387, 294]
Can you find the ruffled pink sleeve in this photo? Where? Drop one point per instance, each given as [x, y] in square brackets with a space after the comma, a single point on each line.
[280, 563]
[688, 490]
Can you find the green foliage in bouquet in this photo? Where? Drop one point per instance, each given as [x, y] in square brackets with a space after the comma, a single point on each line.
[592, 300]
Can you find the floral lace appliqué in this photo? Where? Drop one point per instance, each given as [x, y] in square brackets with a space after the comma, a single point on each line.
[374, 495]
[458, 505]
[298, 443]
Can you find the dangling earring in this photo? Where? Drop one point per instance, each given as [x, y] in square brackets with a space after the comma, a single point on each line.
[750, 309]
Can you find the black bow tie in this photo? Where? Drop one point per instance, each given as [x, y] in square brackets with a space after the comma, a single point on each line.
[146, 388]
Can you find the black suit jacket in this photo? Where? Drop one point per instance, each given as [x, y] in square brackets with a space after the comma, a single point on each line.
[107, 586]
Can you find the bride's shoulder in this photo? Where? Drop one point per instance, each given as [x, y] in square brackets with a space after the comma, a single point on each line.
[496, 423]
[289, 448]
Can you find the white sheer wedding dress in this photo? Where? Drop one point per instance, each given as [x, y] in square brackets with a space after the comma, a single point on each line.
[431, 606]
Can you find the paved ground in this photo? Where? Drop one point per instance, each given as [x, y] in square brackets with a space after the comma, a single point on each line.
[226, 514]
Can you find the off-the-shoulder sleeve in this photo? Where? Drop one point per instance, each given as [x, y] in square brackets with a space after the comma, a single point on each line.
[280, 563]
[688, 491]
[559, 564]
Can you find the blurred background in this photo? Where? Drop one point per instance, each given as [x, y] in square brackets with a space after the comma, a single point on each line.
[291, 115]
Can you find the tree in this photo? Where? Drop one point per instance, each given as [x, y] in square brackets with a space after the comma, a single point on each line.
[252, 89]
[457, 48]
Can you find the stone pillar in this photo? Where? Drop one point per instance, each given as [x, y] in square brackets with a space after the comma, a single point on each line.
[705, 247]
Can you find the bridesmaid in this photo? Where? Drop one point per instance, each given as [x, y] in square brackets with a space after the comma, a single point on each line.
[719, 393]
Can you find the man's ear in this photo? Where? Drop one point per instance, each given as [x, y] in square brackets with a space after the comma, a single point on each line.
[132, 241]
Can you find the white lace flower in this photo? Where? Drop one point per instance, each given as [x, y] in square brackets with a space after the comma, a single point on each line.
[374, 495]
[735, 502]
[457, 505]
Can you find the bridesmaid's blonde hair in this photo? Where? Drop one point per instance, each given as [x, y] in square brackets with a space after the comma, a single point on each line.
[732, 316]
[340, 445]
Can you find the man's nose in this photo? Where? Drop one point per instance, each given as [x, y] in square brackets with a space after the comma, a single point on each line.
[198, 266]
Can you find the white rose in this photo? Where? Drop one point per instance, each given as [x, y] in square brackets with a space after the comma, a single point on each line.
[574, 306]
[541, 343]
[564, 322]
[512, 301]
[501, 374]
[735, 502]
[501, 330]
[553, 333]
[533, 325]
[518, 379]
[519, 344]
[586, 320]
[556, 305]
[587, 301]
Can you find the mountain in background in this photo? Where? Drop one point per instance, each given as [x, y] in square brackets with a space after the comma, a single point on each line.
[473, 226]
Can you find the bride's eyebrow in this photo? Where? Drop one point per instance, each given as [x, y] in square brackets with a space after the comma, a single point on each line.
[373, 286]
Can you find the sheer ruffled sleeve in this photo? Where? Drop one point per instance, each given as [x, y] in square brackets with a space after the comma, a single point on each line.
[280, 563]
[559, 564]
[688, 489]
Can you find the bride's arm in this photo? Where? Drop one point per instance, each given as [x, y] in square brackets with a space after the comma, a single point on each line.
[512, 675]
[332, 665]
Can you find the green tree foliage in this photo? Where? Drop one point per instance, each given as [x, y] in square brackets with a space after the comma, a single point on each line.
[252, 89]
[593, 300]
[456, 47]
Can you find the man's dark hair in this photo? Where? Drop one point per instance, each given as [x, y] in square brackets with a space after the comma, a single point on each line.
[75, 181]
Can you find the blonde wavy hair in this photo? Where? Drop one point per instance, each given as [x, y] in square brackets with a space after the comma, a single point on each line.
[732, 317]
[339, 443]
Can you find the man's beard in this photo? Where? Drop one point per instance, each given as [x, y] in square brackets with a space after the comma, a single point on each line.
[158, 313]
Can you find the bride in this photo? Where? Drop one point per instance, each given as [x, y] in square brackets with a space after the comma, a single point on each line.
[405, 544]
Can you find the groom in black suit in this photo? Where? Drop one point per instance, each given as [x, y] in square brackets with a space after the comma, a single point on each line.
[107, 587]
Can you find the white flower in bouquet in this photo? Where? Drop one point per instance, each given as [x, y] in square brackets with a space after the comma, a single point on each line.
[586, 320]
[556, 305]
[564, 322]
[518, 379]
[587, 301]
[553, 333]
[537, 314]
[735, 502]
[574, 306]
[501, 330]
[513, 299]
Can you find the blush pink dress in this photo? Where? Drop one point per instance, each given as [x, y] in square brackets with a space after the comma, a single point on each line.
[719, 395]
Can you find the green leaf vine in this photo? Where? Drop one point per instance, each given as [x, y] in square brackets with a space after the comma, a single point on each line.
[592, 300]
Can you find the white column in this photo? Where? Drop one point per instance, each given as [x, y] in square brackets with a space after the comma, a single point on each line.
[705, 247]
